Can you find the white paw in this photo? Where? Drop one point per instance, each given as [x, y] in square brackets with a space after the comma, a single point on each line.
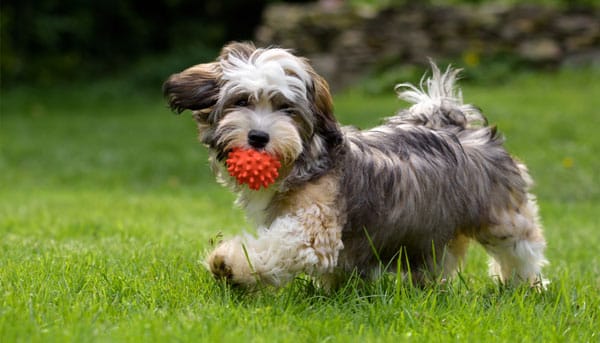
[228, 261]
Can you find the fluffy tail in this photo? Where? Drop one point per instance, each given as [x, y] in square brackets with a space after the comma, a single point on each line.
[438, 103]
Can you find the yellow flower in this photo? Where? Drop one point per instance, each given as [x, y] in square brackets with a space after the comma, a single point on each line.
[567, 162]
[471, 58]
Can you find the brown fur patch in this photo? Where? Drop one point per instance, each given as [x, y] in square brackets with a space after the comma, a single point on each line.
[195, 88]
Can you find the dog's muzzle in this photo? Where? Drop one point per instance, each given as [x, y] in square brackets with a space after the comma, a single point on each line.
[258, 139]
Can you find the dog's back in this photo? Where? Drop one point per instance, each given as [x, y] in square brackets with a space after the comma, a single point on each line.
[429, 175]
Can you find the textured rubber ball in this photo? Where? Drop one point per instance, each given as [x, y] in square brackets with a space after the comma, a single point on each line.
[254, 168]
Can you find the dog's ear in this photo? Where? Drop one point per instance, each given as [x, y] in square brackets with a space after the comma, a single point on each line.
[196, 88]
[327, 126]
[323, 150]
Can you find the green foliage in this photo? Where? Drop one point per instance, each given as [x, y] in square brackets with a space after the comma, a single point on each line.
[49, 40]
[387, 3]
[107, 209]
[45, 42]
[476, 68]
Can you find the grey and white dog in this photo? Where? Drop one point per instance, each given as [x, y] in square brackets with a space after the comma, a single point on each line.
[417, 188]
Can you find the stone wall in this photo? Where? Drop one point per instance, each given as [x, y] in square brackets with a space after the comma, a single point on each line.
[345, 43]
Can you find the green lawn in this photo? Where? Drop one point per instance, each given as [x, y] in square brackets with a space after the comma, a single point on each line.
[107, 208]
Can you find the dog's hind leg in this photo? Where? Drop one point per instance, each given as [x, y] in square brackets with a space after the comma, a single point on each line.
[516, 245]
[454, 255]
[441, 263]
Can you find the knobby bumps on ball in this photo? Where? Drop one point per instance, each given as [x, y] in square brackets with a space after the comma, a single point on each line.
[254, 168]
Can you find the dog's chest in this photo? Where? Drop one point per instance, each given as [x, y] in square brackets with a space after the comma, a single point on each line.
[255, 203]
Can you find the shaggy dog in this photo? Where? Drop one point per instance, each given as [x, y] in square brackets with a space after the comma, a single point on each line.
[416, 189]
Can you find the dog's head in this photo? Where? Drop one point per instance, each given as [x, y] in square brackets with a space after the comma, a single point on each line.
[263, 99]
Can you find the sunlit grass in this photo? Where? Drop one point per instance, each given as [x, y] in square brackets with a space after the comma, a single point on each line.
[107, 208]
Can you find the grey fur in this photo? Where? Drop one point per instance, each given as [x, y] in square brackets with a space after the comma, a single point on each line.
[431, 175]
[422, 178]
[416, 187]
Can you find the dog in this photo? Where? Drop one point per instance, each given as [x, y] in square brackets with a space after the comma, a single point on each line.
[409, 194]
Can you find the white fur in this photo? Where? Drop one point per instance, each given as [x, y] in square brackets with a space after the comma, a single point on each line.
[519, 261]
[255, 204]
[438, 91]
[285, 142]
[270, 71]
[516, 245]
[280, 252]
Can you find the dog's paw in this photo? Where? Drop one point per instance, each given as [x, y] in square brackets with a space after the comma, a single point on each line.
[228, 261]
[219, 268]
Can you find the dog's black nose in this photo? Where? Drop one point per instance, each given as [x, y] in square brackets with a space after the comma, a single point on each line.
[258, 139]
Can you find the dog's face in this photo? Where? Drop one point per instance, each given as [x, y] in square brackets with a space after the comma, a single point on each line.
[263, 99]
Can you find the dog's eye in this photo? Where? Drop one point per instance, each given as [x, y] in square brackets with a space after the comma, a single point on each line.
[241, 103]
[287, 108]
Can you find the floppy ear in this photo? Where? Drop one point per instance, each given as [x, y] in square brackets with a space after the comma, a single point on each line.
[323, 150]
[327, 126]
[196, 88]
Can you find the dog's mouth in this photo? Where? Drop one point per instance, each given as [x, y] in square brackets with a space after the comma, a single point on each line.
[224, 154]
[254, 168]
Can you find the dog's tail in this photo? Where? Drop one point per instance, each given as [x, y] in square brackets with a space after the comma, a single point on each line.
[438, 103]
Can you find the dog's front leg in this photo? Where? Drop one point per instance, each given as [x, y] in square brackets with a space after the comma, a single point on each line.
[307, 240]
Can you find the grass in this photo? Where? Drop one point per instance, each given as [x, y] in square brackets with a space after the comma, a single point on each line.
[107, 208]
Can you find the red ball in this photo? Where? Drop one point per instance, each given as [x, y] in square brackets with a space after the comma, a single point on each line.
[255, 168]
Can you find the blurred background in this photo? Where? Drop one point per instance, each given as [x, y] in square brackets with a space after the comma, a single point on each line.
[81, 104]
[48, 42]
[108, 205]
